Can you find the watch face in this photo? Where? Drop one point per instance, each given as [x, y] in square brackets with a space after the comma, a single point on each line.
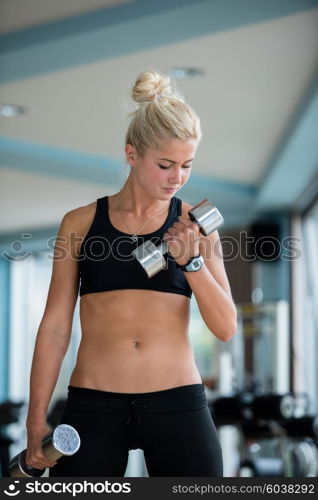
[195, 264]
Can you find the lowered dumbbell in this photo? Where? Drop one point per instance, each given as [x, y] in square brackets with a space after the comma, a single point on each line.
[151, 257]
[63, 441]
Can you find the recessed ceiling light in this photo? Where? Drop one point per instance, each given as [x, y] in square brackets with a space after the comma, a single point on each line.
[9, 110]
[185, 73]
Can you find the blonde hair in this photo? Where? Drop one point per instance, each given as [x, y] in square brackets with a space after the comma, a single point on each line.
[161, 116]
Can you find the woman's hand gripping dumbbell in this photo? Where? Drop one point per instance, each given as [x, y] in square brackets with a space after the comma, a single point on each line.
[151, 257]
[63, 441]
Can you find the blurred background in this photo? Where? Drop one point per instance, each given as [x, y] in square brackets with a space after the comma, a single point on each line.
[249, 70]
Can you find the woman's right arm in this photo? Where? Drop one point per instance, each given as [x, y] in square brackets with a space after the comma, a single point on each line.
[53, 336]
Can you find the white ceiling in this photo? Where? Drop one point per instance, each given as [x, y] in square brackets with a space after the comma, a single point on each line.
[256, 78]
[25, 186]
[20, 14]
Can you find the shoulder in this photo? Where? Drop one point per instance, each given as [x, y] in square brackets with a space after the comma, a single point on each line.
[80, 216]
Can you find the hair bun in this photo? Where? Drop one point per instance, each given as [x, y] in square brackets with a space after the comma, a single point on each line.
[151, 85]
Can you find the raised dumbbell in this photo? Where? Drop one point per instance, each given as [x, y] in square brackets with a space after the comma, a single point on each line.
[151, 257]
[63, 441]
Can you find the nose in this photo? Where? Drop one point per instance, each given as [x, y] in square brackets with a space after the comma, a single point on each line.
[175, 177]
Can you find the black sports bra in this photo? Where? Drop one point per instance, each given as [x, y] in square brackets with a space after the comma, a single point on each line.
[106, 263]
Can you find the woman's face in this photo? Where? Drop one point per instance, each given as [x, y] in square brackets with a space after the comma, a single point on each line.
[161, 172]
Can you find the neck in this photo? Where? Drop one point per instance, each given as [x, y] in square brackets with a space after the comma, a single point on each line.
[134, 200]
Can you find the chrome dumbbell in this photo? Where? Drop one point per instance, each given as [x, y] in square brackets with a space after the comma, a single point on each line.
[64, 441]
[151, 257]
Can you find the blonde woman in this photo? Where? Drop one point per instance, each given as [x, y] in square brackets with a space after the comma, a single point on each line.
[135, 383]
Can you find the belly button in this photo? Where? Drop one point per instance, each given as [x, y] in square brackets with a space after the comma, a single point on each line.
[136, 343]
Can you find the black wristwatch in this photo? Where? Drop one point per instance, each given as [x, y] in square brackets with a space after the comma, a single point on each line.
[194, 264]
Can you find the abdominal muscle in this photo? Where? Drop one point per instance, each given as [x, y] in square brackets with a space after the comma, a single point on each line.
[134, 341]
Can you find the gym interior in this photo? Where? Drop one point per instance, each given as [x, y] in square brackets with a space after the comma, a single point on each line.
[249, 69]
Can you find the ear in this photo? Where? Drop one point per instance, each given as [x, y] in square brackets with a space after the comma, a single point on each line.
[130, 154]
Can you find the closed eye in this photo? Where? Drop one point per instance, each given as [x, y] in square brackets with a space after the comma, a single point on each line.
[166, 168]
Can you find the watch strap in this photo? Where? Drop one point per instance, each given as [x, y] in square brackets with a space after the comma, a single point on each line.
[184, 267]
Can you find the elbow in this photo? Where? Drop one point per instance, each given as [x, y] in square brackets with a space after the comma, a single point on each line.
[229, 329]
[229, 334]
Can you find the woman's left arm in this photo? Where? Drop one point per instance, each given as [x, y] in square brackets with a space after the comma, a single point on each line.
[212, 291]
[210, 284]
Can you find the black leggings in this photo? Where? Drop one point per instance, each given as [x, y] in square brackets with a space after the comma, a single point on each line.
[173, 427]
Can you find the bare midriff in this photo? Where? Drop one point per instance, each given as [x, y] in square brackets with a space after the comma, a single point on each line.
[134, 341]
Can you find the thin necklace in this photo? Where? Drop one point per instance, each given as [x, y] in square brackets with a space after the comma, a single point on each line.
[133, 234]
